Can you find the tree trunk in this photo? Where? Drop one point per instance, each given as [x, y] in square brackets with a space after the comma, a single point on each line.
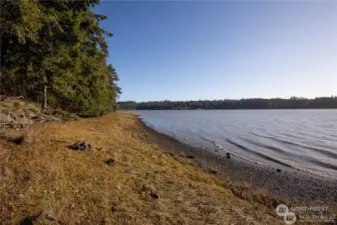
[45, 98]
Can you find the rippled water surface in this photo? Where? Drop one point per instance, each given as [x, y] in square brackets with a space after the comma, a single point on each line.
[302, 139]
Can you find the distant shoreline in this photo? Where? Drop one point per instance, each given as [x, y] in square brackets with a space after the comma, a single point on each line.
[251, 103]
[227, 109]
[288, 183]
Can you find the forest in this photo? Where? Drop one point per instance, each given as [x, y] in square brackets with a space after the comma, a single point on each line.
[252, 103]
[60, 46]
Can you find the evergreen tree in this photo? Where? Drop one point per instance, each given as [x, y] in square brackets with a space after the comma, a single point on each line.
[59, 44]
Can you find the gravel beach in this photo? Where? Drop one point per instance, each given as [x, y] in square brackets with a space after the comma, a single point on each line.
[280, 182]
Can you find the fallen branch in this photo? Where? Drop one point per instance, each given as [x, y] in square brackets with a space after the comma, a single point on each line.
[14, 98]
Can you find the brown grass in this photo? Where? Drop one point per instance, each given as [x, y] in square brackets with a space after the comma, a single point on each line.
[81, 189]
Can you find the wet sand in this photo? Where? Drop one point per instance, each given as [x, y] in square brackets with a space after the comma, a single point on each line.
[280, 181]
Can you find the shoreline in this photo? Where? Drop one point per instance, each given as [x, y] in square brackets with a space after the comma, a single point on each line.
[280, 181]
[129, 173]
[124, 178]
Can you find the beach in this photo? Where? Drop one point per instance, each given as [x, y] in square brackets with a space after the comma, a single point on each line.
[135, 175]
[280, 181]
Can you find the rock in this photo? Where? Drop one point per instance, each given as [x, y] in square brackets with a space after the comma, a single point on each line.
[212, 171]
[80, 145]
[228, 155]
[110, 162]
[278, 170]
[115, 208]
[17, 140]
[46, 215]
[43, 216]
[99, 148]
[109, 151]
[190, 156]
[154, 195]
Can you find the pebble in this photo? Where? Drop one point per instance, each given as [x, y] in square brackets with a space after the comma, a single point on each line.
[228, 155]
[154, 195]
[80, 145]
[110, 162]
[115, 208]
[212, 171]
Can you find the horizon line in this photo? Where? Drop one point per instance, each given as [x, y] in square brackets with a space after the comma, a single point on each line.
[232, 99]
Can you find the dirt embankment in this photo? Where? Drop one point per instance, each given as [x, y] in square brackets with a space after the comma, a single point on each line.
[125, 178]
[19, 114]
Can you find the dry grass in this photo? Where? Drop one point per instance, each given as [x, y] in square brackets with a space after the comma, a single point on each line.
[80, 188]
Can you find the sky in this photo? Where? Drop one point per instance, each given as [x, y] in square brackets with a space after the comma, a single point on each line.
[191, 50]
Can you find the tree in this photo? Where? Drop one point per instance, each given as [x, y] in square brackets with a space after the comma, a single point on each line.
[59, 44]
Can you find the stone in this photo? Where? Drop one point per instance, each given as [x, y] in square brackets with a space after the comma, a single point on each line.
[110, 162]
[44, 216]
[154, 195]
[17, 140]
[278, 170]
[190, 156]
[115, 208]
[228, 155]
[99, 148]
[212, 171]
[80, 145]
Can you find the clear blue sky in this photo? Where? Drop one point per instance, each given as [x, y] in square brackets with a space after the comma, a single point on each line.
[185, 50]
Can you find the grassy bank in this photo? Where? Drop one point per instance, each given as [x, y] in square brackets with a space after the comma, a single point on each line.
[144, 185]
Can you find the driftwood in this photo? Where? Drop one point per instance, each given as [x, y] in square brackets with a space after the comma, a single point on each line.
[4, 97]
[13, 125]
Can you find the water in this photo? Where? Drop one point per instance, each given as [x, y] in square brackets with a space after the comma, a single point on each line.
[302, 139]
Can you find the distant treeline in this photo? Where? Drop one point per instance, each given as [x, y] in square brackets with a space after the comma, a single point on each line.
[251, 103]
